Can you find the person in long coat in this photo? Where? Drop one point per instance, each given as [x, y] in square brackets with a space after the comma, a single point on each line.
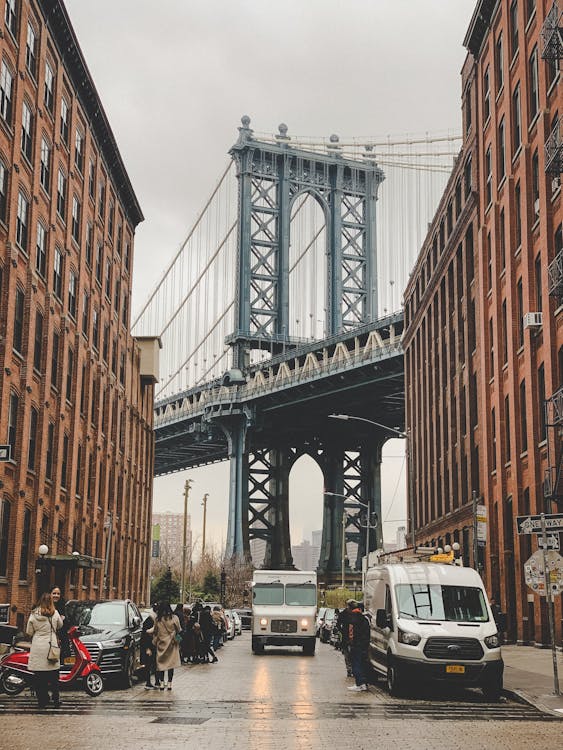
[42, 626]
[166, 628]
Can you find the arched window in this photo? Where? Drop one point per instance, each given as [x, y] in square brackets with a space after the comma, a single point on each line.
[5, 508]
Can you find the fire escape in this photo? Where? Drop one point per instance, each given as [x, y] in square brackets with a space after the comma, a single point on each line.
[552, 50]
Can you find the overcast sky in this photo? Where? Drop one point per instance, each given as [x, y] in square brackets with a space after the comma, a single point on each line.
[175, 76]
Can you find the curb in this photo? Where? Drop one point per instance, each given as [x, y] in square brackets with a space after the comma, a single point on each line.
[521, 697]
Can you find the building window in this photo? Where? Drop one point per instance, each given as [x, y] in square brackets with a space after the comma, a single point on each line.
[21, 222]
[61, 194]
[530, 9]
[533, 85]
[41, 250]
[49, 90]
[99, 261]
[502, 239]
[76, 208]
[58, 273]
[85, 313]
[6, 83]
[499, 63]
[523, 418]
[45, 167]
[95, 329]
[504, 334]
[122, 373]
[55, 361]
[541, 404]
[4, 519]
[78, 473]
[11, 16]
[13, 409]
[117, 296]
[127, 258]
[24, 549]
[507, 429]
[102, 199]
[64, 121]
[49, 454]
[468, 113]
[64, 462]
[119, 238]
[489, 176]
[536, 185]
[108, 278]
[72, 291]
[69, 374]
[501, 152]
[89, 241]
[32, 444]
[520, 303]
[105, 343]
[518, 214]
[3, 191]
[111, 219]
[486, 95]
[491, 349]
[516, 120]
[513, 24]
[26, 134]
[38, 342]
[79, 151]
[114, 357]
[125, 311]
[91, 180]
[489, 262]
[83, 391]
[493, 440]
[538, 280]
[467, 178]
[31, 50]
[18, 321]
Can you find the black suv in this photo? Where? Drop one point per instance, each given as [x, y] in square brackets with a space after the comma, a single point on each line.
[111, 631]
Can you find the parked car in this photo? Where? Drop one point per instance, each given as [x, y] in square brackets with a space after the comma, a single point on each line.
[238, 624]
[230, 624]
[111, 631]
[320, 615]
[245, 618]
[326, 625]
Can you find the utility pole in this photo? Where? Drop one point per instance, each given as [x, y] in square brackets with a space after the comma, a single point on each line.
[343, 548]
[108, 525]
[187, 486]
[475, 543]
[204, 503]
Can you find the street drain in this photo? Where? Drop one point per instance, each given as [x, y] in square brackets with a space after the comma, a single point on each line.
[178, 720]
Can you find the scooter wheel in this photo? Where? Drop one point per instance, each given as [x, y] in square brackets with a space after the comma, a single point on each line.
[94, 684]
[11, 683]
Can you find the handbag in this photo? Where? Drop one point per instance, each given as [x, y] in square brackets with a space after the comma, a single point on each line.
[54, 653]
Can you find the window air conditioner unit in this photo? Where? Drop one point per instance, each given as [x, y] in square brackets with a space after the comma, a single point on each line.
[533, 320]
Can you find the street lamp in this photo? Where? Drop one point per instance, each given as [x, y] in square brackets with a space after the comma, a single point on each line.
[204, 503]
[367, 526]
[187, 485]
[398, 433]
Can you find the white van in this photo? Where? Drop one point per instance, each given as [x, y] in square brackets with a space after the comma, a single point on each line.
[284, 609]
[431, 621]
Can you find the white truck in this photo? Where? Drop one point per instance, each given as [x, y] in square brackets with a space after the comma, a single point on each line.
[432, 621]
[284, 608]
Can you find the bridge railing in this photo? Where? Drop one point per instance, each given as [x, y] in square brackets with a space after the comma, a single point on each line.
[270, 380]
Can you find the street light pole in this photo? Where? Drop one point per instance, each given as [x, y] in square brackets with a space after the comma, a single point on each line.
[204, 503]
[187, 486]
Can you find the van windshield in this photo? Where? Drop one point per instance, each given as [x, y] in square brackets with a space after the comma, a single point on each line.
[267, 593]
[420, 601]
[300, 594]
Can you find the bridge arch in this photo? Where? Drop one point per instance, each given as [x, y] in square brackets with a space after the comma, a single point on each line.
[306, 484]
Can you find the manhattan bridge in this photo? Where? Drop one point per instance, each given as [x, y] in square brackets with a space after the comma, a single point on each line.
[281, 308]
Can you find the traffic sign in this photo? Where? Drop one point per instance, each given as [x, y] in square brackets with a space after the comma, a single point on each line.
[5, 452]
[552, 542]
[535, 574]
[532, 524]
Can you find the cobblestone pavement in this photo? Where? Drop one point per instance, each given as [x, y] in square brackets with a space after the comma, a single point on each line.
[280, 700]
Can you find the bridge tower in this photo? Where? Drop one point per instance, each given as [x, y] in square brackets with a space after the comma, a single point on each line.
[271, 176]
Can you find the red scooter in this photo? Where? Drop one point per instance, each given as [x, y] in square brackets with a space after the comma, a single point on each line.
[15, 676]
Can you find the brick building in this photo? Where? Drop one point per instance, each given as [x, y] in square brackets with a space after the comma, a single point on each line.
[76, 389]
[171, 538]
[513, 373]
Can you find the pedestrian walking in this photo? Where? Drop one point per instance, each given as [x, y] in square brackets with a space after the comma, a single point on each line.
[219, 627]
[44, 654]
[187, 648]
[203, 649]
[166, 640]
[148, 651]
[342, 622]
[358, 643]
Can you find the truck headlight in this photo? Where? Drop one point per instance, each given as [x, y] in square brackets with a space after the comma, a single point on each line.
[263, 622]
[492, 641]
[304, 623]
[411, 639]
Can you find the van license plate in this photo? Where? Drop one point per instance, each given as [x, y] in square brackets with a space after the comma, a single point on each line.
[455, 669]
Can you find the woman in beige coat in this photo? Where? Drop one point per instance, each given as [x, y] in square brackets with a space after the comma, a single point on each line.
[166, 628]
[42, 626]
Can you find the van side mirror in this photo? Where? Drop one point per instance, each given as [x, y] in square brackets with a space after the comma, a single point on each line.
[382, 619]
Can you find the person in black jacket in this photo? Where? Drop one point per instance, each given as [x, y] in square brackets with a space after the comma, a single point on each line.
[358, 642]
[342, 622]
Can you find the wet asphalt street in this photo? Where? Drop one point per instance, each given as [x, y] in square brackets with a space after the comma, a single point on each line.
[280, 700]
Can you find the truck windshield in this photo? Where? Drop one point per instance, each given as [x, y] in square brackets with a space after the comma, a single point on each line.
[300, 594]
[420, 601]
[267, 593]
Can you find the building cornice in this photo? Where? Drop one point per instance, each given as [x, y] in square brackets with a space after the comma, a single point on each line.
[64, 38]
[479, 25]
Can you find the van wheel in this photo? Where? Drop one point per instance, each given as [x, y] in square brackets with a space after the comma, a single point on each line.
[395, 681]
[492, 691]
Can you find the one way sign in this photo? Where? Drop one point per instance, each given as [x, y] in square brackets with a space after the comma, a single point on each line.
[532, 524]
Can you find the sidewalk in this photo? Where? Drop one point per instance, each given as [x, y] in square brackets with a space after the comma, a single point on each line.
[528, 674]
